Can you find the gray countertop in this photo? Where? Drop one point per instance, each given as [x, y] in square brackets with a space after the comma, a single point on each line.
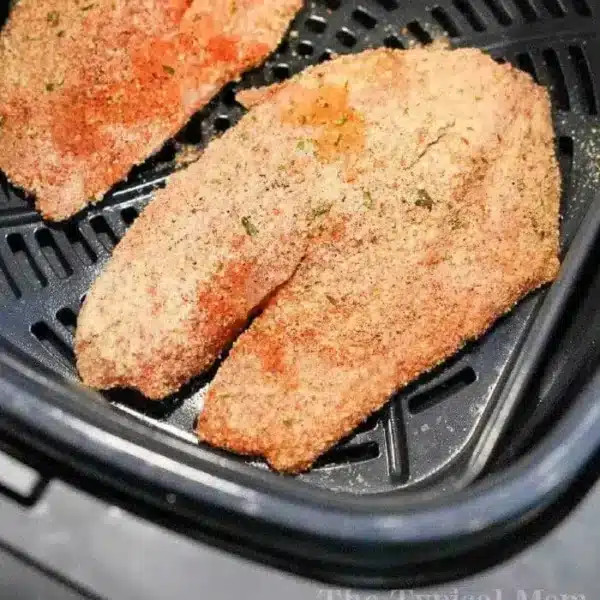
[65, 525]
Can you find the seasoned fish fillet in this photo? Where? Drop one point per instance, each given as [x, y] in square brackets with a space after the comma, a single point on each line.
[385, 206]
[440, 204]
[89, 89]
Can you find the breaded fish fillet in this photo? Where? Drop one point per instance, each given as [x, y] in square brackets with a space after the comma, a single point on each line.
[384, 157]
[89, 89]
[442, 215]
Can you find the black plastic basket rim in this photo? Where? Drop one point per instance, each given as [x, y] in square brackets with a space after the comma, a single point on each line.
[57, 418]
[409, 535]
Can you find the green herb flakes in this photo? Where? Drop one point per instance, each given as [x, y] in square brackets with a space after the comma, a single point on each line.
[368, 201]
[456, 223]
[424, 200]
[169, 70]
[249, 226]
[305, 145]
[53, 18]
[53, 85]
[320, 210]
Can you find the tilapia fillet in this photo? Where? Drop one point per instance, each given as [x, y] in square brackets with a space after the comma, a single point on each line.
[90, 89]
[383, 208]
[444, 218]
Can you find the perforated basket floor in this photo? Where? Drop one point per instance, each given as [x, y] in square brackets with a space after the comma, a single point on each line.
[429, 429]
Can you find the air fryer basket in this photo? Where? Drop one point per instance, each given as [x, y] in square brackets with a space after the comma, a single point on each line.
[435, 436]
[429, 433]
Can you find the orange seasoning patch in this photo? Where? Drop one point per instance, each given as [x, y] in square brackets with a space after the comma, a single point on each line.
[223, 48]
[269, 348]
[226, 301]
[340, 128]
[144, 87]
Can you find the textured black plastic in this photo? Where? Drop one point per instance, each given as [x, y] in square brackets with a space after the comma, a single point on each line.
[441, 428]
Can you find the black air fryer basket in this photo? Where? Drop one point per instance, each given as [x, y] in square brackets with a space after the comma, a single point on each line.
[399, 492]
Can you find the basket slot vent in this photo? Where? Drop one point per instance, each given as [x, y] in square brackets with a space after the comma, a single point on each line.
[367, 425]
[581, 7]
[344, 455]
[554, 7]
[499, 11]
[582, 68]
[5, 188]
[472, 17]
[103, 231]
[326, 55]
[281, 71]
[558, 87]
[394, 42]
[25, 261]
[446, 388]
[306, 48]
[228, 94]
[8, 280]
[527, 11]
[192, 132]
[316, 24]
[222, 123]
[419, 33]
[80, 245]
[67, 318]
[525, 63]
[565, 161]
[389, 4]
[166, 154]
[11, 197]
[346, 37]
[129, 215]
[53, 254]
[53, 343]
[364, 18]
[444, 20]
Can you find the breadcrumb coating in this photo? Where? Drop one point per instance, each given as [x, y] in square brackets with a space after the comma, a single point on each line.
[91, 88]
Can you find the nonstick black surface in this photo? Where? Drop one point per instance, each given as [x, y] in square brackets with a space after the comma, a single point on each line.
[427, 433]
